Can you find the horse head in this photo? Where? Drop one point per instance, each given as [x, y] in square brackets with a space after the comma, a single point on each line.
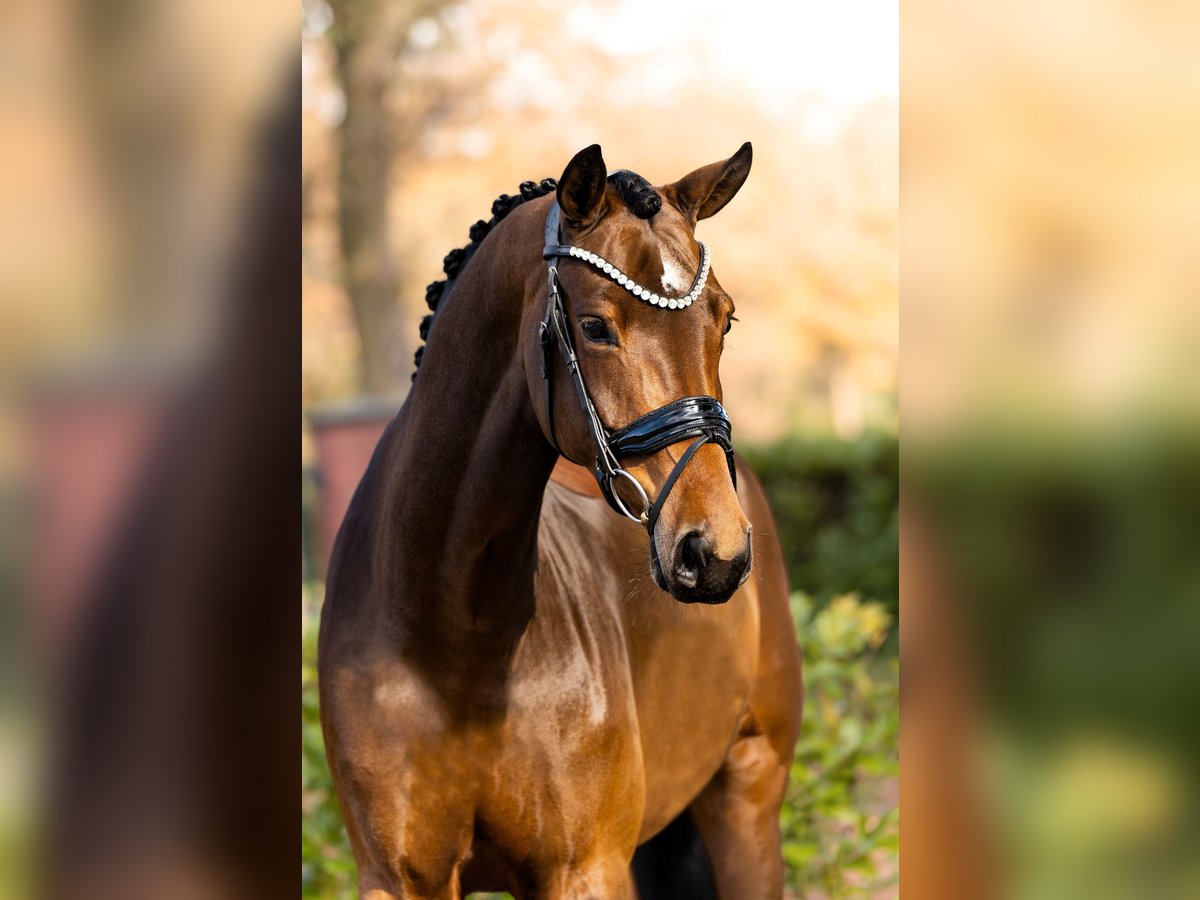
[641, 325]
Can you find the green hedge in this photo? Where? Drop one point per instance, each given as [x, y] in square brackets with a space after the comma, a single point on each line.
[836, 505]
[841, 818]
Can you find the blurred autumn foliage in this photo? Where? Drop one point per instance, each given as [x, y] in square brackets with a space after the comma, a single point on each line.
[1049, 583]
[463, 101]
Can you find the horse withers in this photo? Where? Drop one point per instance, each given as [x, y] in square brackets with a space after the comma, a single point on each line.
[525, 678]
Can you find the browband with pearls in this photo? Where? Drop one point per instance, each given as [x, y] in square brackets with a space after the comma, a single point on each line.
[554, 249]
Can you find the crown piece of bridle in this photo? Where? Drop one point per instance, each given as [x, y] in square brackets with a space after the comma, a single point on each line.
[636, 289]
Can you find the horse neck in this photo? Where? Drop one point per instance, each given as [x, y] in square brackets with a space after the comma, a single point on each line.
[466, 484]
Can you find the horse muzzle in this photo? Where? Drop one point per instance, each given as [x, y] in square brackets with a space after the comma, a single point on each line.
[698, 573]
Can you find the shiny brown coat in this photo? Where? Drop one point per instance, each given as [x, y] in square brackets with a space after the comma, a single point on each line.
[510, 701]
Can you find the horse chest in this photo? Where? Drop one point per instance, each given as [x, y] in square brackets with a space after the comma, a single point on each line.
[571, 682]
[570, 762]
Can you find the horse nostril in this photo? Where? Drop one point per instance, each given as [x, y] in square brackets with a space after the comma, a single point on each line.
[691, 558]
[692, 554]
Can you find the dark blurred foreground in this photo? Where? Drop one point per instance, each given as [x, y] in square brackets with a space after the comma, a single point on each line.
[169, 774]
[149, 457]
[1049, 589]
[1050, 478]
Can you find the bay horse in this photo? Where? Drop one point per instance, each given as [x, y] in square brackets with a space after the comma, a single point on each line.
[514, 695]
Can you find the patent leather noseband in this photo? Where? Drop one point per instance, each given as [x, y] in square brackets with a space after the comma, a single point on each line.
[701, 420]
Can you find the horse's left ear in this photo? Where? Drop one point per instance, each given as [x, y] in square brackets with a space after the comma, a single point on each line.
[704, 192]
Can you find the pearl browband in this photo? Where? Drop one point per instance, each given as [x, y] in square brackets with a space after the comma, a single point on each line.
[636, 289]
[554, 249]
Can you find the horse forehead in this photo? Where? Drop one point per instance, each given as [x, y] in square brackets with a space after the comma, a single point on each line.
[676, 276]
[679, 257]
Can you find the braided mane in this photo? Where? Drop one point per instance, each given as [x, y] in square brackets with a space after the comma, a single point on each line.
[637, 193]
[457, 258]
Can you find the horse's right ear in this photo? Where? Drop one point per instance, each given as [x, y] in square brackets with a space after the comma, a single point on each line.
[581, 188]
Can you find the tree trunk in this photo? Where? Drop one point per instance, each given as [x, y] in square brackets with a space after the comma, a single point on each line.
[368, 37]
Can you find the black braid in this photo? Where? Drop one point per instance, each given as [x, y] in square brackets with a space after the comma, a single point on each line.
[455, 260]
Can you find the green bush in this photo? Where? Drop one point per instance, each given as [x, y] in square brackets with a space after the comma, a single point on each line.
[840, 819]
[836, 506]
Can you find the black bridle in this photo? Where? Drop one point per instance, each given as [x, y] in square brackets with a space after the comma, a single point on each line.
[702, 420]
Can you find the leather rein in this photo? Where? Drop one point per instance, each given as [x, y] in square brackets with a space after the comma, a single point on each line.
[701, 419]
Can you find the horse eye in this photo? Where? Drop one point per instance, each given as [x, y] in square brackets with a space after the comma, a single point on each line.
[729, 324]
[595, 330]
